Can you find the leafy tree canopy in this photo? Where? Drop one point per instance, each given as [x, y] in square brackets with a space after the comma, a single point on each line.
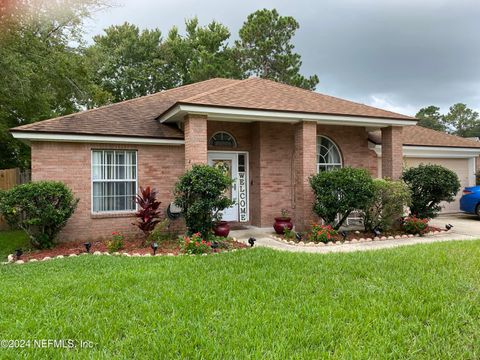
[265, 49]
[430, 117]
[460, 120]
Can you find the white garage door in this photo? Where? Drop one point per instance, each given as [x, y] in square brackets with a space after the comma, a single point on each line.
[460, 166]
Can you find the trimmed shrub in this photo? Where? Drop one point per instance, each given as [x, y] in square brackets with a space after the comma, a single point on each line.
[41, 209]
[387, 204]
[321, 233]
[200, 193]
[195, 244]
[341, 191]
[116, 243]
[430, 185]
[414, 225]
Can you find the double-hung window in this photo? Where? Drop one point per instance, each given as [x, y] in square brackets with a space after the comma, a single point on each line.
[114, 180]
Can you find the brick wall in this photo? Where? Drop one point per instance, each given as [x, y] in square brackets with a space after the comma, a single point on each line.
[305, 166]
[392, 152]
[271, 148]
[158, 166]
[195, 129]
[353, 144]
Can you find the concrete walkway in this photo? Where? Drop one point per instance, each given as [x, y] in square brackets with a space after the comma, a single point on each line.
[464, 229]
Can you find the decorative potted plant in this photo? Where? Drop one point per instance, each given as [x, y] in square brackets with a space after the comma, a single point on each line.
[221, 229]
[282, 222]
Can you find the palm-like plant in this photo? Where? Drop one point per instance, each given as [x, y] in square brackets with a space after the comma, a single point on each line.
[148, 214]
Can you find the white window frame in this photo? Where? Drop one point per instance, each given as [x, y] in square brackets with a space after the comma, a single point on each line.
[92, 181]
[328, 164]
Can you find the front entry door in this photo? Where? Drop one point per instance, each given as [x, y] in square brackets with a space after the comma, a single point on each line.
[229, 163]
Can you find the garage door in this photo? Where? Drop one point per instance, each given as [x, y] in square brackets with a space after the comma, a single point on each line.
[460, 166]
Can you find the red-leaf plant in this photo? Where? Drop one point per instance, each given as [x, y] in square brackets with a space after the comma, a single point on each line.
[148, 214]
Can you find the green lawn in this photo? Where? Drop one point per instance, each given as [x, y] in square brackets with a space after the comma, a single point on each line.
[11, 240]
[412, 302]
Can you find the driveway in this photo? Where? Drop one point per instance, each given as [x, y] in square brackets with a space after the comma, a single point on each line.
[464, 224]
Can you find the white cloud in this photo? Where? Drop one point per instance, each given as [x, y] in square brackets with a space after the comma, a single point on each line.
[385, 102]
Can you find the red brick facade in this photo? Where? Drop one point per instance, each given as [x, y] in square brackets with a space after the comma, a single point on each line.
[195, 132]
[158, 166]
[392, 152]
[281, 159]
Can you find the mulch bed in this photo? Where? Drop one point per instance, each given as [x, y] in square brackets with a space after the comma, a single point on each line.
[130, 246]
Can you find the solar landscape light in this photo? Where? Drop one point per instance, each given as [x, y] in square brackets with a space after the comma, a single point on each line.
[298, 236]
[251, 241]
[154, 247]
[344, 234]
[448, 226]
[18, 253]
[88, 246]
[377, 232]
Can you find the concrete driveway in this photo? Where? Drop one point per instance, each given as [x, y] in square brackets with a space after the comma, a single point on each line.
[464, 224]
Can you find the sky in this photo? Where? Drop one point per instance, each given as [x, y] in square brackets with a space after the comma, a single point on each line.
[400, 55]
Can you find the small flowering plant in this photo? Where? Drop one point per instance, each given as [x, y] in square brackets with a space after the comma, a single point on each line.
[414, 225]
[322, 233]
[195, 244]
[117, 242]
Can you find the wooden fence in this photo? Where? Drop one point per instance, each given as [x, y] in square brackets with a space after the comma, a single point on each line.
[10, 178]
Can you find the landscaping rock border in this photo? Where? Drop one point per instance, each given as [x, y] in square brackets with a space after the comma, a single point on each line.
[356, 240]
[11, 257]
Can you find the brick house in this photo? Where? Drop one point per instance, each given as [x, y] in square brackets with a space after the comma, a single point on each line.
[271, 136]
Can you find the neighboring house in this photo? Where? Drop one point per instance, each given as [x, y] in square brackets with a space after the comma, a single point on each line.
[271, 136]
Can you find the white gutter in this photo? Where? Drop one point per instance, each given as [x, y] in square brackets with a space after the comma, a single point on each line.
[246, 115]
[39, 136]
[439, 152]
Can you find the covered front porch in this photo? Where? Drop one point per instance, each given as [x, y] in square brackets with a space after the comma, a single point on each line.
[271, 160]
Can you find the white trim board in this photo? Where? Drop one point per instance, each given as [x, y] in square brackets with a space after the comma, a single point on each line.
[438, 152]
[246, 115]
[38, 136]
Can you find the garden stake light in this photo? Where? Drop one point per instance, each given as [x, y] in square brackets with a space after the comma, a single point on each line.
[298, 236]
[251, 241]
[344, 234]
[88, 246]
[377, 232]
[448, 226]
[154, 248]
[18, 253]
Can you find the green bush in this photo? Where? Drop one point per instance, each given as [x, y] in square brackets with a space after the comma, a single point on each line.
[387, 204]
[200, 193]
[430, 185]
[41, 209]
[414, 225]
[116, 243]
[195, 244]
[161, 232]
[341, 191]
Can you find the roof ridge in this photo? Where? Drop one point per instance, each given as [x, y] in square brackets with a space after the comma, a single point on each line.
[329, 96]
[158, 93]
[447, 134]
[212, 91]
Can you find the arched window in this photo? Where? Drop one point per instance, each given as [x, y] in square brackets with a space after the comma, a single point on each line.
[223, 139]
[328, 155]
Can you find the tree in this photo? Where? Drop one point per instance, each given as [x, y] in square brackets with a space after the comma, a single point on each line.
[430, 185]
[200, 193]
[201, 54]
[265, 49]
[42, 74]
[126, 62]
[462, 121]
[430, 117]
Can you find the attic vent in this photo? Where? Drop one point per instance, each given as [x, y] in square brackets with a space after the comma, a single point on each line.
[223, 139]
